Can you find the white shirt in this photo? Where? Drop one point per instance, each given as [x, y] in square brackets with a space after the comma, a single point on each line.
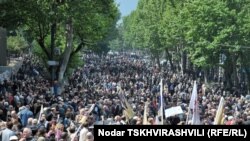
[83, 134]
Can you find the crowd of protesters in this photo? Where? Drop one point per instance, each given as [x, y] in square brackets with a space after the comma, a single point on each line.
[91, 97]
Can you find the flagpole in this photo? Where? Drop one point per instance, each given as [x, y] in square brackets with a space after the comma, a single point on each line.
[161, 91]
[188, 116]
[193, 105]
[145, 120]
[219, 112]
[40, 114]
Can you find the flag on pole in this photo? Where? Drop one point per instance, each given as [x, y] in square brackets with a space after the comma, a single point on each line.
[40, 114]
[157, 122]
[128, 108]
[91, 108]
[58, 118]
[83, 121]
[219, 114]
[145, 118]
[194, 106]
[160, 112]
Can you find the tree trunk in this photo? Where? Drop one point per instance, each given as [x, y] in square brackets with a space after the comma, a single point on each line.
[158, 60]
[183, 61]
[220, 76]
[169, 58]
[3, 47]
[248, 79]
[228, 71]
[247, 74]
[235, 74]
[67, 51]
[52, 43]
[206, 76]
[52, 53]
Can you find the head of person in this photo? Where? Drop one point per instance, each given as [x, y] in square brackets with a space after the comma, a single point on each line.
[43, 117]
[90, 136]
[9, 125]
[34, 122]
[30, 121]
[27, 132]
[13, 114]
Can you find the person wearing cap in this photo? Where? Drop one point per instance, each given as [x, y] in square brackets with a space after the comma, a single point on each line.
[13, 138]
[230, 120]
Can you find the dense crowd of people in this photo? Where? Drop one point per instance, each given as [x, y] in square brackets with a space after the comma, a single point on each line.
[30, 111]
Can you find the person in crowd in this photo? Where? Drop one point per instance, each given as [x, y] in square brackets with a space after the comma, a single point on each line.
[7, 132]
[27, 103]
[27, 135]
[13, 138]
[25, 114]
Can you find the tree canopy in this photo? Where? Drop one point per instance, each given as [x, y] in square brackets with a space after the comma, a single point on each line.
[193, 33]
[67, 25]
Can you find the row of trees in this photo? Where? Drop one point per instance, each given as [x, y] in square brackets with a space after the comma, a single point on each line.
[64, 26]
[197, 34]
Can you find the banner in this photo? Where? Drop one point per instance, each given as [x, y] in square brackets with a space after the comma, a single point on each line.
[173, 111]
[194, 107]
[219, 114]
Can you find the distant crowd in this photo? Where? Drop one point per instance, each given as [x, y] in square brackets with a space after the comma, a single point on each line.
[30, 112]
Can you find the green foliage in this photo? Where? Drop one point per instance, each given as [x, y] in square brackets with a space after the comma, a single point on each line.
[215, 27]
[115, 44]
[76, 61]
[203, 28]
[16, 44]
[45, 22]
[154, 25]
[115, 41]
[36, 50]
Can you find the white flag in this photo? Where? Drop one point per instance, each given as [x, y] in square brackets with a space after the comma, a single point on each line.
[160, 112]
[157, 122]
[40, 114]
[194, 106]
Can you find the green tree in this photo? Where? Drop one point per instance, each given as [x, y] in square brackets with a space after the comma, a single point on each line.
[215, 28]
[79, 23]
[16, 44]
[141, 27]
[196, 32]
